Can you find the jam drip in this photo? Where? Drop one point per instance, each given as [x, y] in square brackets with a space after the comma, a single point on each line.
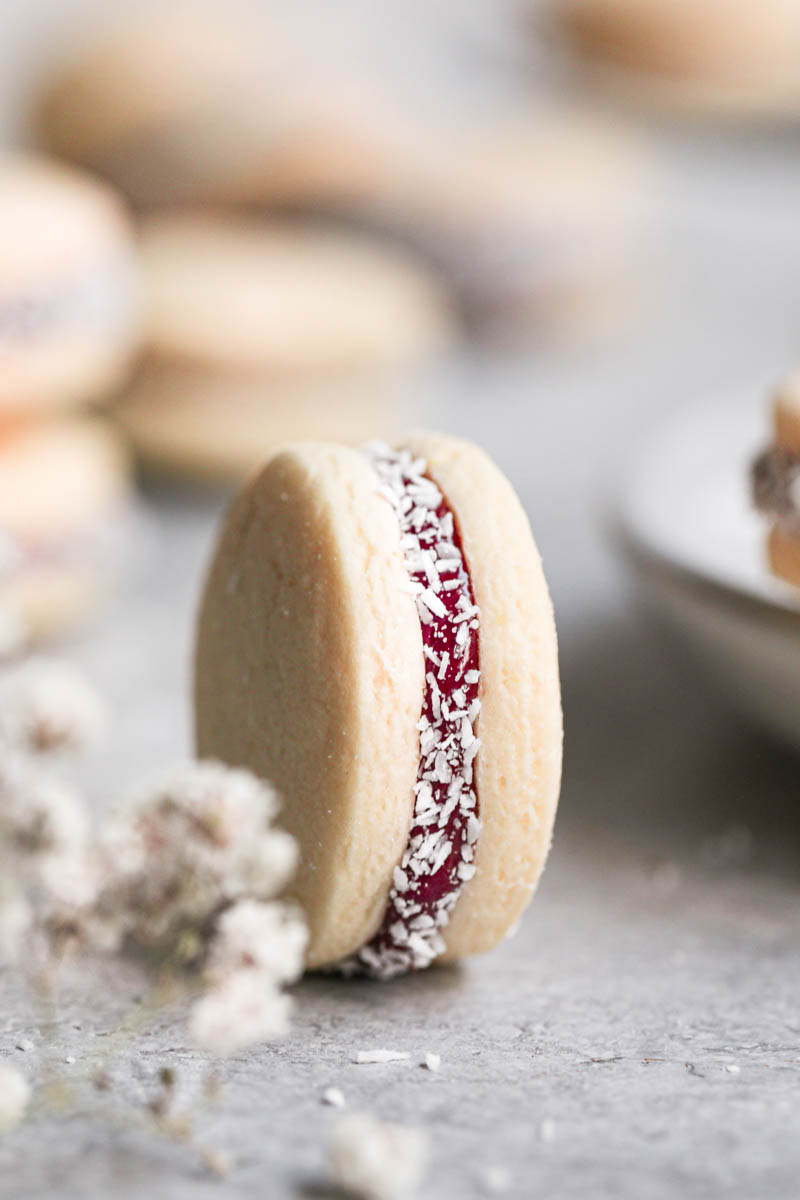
[438, 859]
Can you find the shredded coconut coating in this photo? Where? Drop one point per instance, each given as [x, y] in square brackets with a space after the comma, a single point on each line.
[438, 859]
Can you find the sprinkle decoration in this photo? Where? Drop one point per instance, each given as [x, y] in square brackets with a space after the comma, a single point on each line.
[438, 859]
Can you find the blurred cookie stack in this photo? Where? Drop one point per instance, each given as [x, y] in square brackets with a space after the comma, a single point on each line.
[69, 323]
[318, 220]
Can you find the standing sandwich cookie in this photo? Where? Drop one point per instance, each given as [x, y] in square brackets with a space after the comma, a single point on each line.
[776, 483]
[68, 286]
[376, 638]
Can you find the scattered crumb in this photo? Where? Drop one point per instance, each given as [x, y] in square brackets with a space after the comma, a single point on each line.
[15, 1094]
[432, 1061]
[732, 1068]
[24, 1044]
[376, 1161]
[496, 1179]
[547, 1130]
[334, 1097]
[381, 1056]
[69, 1058]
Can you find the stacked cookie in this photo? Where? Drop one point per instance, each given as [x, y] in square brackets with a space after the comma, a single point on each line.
[721, 58]
[69, 323]
[260, 332]
[536, 220]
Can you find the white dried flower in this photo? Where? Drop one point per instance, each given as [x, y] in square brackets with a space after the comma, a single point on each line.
[266, 937]
[376, 1161]
[199, 841]
[38, 814]
[50, 705]
[15, 1094]
[15, 923]
[244, 1009]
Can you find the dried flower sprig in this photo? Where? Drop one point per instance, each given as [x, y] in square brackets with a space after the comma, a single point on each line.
[373, 1160]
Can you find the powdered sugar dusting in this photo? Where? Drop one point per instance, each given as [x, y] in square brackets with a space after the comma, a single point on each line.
[438, 859]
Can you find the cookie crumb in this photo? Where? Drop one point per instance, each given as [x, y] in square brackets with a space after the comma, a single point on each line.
[334, 1097]
[376, 1161]
[24, 1044]
[732, 1068]
[432, 1061]
[381, 1056]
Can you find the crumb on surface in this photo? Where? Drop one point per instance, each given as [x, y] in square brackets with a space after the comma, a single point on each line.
[432, 1061]
[381, 1056]
[334, 1097]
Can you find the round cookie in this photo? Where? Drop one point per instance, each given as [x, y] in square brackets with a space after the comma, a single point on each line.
[724, 56]
[220, 426]
[64, 485]
[286, 297]
[208, 103]
[775, 481]
[541, 222]
[69, 317]
[369, 643]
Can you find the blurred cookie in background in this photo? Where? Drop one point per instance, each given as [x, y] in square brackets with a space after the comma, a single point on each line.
[263, 331]
[776, 483]
[204, 103]
[719, 57]
[286, 296]
[218, 426]
[164, 104]
[69, 312]
[65, 505]
[542, 222]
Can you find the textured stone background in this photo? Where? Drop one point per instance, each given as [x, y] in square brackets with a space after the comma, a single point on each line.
[664, 945]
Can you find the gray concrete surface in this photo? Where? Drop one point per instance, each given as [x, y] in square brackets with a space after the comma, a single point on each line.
[663, 949]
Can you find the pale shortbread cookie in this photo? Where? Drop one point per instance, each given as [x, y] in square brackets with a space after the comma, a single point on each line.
[786, 414]
[62, 484]
[69, 316]
[541, 222]
[723, 56]
[220, 426]
[309, 670]
[212, 103]
[286, 298]
[518, 768]
[783, 553]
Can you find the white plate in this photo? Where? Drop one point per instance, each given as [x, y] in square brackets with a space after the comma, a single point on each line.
[698, 549]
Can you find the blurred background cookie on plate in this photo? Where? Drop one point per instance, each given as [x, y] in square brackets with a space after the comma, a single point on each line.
[65, 502]
[721, 56]
[68, 286]
[776, 483]
[275, 330]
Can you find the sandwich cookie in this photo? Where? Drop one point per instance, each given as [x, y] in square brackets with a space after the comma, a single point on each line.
[263, 332]
[723, 57]
[371, 643]
[199, 104]
[69, 316]
[776, 483]
[64, 499]
[542, 223]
